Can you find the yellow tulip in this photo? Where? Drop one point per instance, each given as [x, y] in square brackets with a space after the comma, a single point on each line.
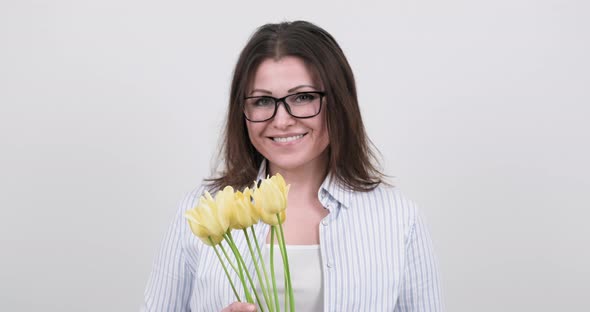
[245, 214]
[271, 219]
[278, 180]
[270, 198]
[200, 231]
[210, 218]
[226, 206]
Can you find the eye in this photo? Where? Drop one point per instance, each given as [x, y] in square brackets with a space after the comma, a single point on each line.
[305, 97]
[263, 102]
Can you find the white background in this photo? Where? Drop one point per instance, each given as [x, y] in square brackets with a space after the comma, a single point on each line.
[110, 112]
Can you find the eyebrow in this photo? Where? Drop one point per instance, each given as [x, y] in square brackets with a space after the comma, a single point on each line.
[288, 91]
[299, 87]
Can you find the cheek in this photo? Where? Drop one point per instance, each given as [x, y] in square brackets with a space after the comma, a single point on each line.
[325, 126]
[324, 137]
[254, 131]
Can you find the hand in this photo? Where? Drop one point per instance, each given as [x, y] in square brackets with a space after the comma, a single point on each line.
[240, 307]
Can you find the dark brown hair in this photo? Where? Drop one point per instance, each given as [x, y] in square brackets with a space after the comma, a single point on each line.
[352, 161]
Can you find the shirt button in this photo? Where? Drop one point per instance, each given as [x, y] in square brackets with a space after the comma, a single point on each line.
[330, 264]
[325, 222]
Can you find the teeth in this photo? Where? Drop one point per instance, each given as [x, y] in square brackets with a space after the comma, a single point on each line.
[288, 139]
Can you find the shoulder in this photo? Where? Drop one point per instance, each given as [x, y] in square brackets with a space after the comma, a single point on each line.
[191, 198]
[188, 201]
[180, 228]
[387, 200]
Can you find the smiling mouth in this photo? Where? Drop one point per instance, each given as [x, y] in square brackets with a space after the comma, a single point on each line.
[288, 139]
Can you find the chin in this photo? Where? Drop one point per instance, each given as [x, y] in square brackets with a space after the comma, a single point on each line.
[285, 164]
[293, 161]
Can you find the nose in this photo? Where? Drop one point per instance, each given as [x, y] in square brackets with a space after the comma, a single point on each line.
[282, 118]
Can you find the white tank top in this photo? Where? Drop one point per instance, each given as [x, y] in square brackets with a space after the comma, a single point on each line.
[306, 276]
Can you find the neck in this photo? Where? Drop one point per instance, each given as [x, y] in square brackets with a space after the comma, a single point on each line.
[305, 180]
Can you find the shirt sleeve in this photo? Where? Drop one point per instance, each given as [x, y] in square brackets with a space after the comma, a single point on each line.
[420, 288]
[170, 283]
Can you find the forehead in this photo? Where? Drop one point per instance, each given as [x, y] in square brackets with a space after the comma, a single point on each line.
[279, 75]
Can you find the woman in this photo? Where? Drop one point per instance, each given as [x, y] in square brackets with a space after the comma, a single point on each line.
[357, 243]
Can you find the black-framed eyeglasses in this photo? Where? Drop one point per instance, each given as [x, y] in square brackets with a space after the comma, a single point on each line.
[299, 105]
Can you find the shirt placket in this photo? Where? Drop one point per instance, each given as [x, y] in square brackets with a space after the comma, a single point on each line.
[326, 241]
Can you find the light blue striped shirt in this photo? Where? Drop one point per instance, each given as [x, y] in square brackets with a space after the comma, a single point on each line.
[375, 248]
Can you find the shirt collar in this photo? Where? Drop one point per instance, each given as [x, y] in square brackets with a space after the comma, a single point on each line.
[330, 188]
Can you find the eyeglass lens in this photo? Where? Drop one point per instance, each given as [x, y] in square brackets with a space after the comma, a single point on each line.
[300, 105]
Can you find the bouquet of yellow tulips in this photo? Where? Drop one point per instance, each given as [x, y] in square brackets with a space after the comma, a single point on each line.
[214, 218]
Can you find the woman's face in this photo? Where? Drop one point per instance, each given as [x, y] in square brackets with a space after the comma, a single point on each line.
[287, 142]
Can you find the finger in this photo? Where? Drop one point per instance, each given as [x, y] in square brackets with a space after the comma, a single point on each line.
[240, 307]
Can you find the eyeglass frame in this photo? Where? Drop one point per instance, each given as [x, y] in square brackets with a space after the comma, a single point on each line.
[322, 94]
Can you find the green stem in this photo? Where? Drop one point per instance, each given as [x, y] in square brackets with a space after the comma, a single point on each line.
[257, 267]
[286, 262]
[285, 279]
[241, 272]
[272, 267]
[227, 257]
[264, 269]
[247, 273]
[286, 293]
[225, 270]
[286, 296]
